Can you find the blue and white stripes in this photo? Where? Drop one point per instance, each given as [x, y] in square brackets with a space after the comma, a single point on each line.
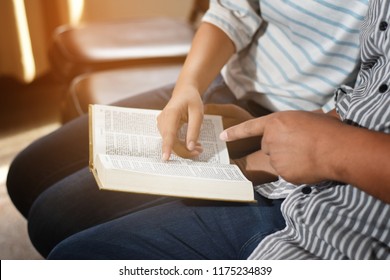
[331, 220]
[292, 53]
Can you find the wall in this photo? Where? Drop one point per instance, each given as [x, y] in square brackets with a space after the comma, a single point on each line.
[44, 15]
[118, 9]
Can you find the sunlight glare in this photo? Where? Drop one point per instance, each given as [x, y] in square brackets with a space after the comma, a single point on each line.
[76, 9]
[28, 62]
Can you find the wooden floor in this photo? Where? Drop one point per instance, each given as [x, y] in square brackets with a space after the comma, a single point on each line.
[26, 113]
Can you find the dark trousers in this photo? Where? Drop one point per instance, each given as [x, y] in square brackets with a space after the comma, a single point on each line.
[50, 184]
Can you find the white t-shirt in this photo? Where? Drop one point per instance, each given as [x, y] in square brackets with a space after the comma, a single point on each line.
[290, 54]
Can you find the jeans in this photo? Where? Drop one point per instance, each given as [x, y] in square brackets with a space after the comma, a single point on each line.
[176, 230]
[50, 184]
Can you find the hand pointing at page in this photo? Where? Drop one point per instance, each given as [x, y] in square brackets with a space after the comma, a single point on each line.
[299, 144]
[210, 50]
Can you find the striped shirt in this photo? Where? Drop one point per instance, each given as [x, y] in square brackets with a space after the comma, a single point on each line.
[291, 54]
[332, 220]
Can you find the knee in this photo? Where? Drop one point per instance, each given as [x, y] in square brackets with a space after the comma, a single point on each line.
[72, 248]
[45, 162]
[50, 220]
[60, 211]
[44, 225]
[82, 247]
[97, 244]
[19, 179]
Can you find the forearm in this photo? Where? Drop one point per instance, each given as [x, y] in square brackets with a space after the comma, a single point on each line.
[360, 157]
[211, 49]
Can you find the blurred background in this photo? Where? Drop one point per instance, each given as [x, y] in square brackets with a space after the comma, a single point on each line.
[56, 56]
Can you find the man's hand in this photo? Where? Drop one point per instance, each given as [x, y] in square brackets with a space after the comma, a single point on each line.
[296, 142]
[256, 168]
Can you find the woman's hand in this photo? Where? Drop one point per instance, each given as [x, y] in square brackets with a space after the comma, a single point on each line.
[210, 50]
[186, 107]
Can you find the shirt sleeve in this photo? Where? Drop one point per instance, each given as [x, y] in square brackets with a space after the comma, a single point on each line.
[240, 19]
[342, 100]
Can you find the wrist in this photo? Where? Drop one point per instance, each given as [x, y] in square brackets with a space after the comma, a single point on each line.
[330, 151]
[186, 88]
[341, 153]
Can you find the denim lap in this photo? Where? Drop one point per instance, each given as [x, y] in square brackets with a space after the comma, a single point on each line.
[180, 229]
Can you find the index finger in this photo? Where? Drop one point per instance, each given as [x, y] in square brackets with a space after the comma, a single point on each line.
[250, 128]
[168, 125]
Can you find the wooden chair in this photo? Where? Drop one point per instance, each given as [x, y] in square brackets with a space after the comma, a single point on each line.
[109, 86]
[122, 43]
[127, 57]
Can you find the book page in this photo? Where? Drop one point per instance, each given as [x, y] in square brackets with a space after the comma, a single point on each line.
[134, 132]
[176, 168]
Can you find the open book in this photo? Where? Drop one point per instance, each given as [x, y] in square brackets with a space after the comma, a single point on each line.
[125, 155]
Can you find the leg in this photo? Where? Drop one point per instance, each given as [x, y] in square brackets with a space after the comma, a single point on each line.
[61, 153]
[74, 204]
[59, 160]
[65, 151]
[179, 229]
[66, 196]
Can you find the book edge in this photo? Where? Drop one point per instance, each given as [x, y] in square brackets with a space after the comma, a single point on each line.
[90, 136]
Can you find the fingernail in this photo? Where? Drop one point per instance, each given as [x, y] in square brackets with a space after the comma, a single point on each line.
[191, 146]
[165, 157]
[223, 136]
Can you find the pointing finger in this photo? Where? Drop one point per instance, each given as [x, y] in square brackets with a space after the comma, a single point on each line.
[251, 128]
[168, 125]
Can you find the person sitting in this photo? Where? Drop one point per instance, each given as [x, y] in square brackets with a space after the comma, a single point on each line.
[272, 56]
[334, 168]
